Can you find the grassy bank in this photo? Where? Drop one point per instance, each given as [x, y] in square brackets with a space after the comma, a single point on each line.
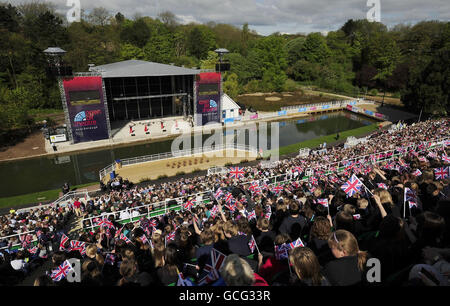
[329, 139]
[271, 102]
[37, 197]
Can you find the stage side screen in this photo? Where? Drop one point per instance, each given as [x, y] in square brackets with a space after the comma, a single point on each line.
[85, 102]
[208, 97]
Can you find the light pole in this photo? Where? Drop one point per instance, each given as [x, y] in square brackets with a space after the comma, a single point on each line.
[221, 52]
[54, 58]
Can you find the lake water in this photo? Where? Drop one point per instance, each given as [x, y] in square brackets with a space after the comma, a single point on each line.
[46, 173]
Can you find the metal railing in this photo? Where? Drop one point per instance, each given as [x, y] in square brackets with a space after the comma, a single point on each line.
[62, 201]
[217, 170]
[143, 159]
[152, 210]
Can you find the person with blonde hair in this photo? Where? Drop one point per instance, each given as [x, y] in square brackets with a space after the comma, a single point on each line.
[307, 267]
[236, 271]
[350, 263]
[91, 252]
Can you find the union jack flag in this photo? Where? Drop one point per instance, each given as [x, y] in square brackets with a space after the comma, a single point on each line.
[33, 250]
[25, 240]
[356, 217]
[124, 238]
[441, 173]
[417, 173]
[217, 261]
[297, 169]
[281, 252]
[412, 204]
[410, 195]
[313, 180]
[251, 215]
[184, 282]
[237, 172]
[117, 234]
[432, 155]
[153, 223]
[333, 179]
[445, 158]
[188, 205]
[171, 236]
[352, 186]
[323, 202]
[78, 246]
[229, 198]
[423, 159]
[447, 143]
[144, 239]
[214, 210]
[218, 194]
[252, 244]
[61, 272]
[231, 206]
[110, 259]
[63, 241]
[277, 189]
[108, 224]
[382, 185]
[295, 244]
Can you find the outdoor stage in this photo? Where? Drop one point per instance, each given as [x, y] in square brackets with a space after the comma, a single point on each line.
[171, 166]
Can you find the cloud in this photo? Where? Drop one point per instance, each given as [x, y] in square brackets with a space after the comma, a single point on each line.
[267, 16]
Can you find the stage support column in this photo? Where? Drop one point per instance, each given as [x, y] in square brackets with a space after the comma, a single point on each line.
[105, 101]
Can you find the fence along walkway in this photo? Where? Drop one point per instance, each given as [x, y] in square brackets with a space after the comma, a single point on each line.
[143, 159]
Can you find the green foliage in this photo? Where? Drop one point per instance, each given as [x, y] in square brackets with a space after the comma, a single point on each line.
[136, 33]
[210, 61]
[200, 40]
[373, 92]
[230, 85]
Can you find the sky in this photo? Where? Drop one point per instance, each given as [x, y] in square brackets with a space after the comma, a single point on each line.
[269, 16]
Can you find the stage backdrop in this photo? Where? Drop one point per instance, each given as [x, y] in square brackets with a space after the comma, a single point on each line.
[85, 103]
[208, 97]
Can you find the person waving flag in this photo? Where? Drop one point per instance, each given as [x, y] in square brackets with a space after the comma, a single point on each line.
[352, 186]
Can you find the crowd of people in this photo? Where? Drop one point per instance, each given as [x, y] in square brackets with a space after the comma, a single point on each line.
[314, 232]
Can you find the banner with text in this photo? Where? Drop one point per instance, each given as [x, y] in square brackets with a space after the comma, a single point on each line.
[85, 103]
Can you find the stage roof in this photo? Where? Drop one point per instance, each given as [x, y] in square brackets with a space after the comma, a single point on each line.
[137, 68]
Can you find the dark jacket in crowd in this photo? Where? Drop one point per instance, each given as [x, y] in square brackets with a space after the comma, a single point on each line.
[343, 271]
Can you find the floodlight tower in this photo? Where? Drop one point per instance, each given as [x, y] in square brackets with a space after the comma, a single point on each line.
[221, 66]
[56, 68]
